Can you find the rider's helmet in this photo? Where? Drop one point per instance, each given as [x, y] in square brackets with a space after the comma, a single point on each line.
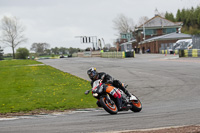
[92, 73]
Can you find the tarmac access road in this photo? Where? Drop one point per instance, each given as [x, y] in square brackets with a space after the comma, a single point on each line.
[168, 87]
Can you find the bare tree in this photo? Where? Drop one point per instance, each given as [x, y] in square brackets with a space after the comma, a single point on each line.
[40, 47]
[12, 32]
[142, 20]
[162, 14]
[123, 24]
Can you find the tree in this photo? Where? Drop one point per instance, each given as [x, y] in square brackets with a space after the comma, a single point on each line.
[55, 50]
[40, 47]
[22, 53]
[142, 20]
[63, 50]
[198, 19]
[73, 50]
[183, 16]
[112, 49]
[197, 15]
[190, 19]
[123, 24]
[12, 32]
[108, 46]
[47, 51]
[178, 16]
[169, 16]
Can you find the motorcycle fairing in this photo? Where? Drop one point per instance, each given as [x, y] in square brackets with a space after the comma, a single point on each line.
[113, 91]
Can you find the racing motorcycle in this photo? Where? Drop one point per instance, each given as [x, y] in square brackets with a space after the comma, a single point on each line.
[108, 101]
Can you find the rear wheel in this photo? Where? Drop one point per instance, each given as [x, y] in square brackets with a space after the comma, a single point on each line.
[108, 105]
[136, 105]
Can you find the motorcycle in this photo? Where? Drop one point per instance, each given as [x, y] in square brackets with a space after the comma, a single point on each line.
[108, 101]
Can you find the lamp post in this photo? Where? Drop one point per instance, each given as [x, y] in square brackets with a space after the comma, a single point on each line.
[143, 31]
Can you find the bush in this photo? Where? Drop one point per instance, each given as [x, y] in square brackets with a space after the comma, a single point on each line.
[113, 49]
[22, 53]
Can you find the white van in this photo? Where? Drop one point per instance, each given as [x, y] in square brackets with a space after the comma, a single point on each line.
[183, 44]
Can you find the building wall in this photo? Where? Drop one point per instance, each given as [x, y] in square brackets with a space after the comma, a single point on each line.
[154, 46]
[120, 41]
[159, 32]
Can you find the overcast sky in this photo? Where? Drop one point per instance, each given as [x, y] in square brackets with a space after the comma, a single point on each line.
[57, 22]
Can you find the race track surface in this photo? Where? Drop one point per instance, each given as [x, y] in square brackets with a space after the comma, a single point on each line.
[168, 87]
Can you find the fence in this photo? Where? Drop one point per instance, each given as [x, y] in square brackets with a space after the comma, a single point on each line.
[118, 54]
[189, 53]
[196, 42]
[166, 48]
[89, 54]
[169, 48]
[168, 52]
[113, 54]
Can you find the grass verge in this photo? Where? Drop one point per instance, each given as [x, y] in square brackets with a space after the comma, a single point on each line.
[26, 86]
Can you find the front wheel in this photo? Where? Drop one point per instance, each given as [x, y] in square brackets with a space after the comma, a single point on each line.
[136, 105]
[108, 105]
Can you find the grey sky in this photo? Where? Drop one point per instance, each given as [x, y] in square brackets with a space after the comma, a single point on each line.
[57, 22]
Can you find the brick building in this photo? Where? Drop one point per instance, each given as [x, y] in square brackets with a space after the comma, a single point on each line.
[124, 38]
[157, 31]
[154, 43]
[152, 34]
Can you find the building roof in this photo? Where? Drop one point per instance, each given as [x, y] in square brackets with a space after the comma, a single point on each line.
[129, 42]
[159, 21]
[171, 36]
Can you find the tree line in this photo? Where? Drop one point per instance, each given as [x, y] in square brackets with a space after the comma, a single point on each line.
[189, 17]
[44, 49]
[12, 35]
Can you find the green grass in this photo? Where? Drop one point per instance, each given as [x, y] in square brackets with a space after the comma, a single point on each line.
[27, 87]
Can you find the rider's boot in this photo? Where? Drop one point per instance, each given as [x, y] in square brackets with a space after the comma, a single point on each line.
[123, 88]
[129, 95]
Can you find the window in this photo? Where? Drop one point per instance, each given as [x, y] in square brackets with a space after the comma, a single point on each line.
[127, 36]
[150, 32]
[169, 30]
[123, 36]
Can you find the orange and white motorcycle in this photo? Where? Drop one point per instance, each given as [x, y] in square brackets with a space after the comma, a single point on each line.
[108, 98]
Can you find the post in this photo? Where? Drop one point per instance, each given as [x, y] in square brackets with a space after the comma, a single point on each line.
[144, 31]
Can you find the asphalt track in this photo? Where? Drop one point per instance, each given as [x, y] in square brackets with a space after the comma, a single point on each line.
[168, 87]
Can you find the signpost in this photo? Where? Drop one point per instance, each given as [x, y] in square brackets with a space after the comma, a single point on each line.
[89, 39]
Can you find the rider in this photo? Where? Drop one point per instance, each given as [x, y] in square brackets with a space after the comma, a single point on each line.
[106, 78]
